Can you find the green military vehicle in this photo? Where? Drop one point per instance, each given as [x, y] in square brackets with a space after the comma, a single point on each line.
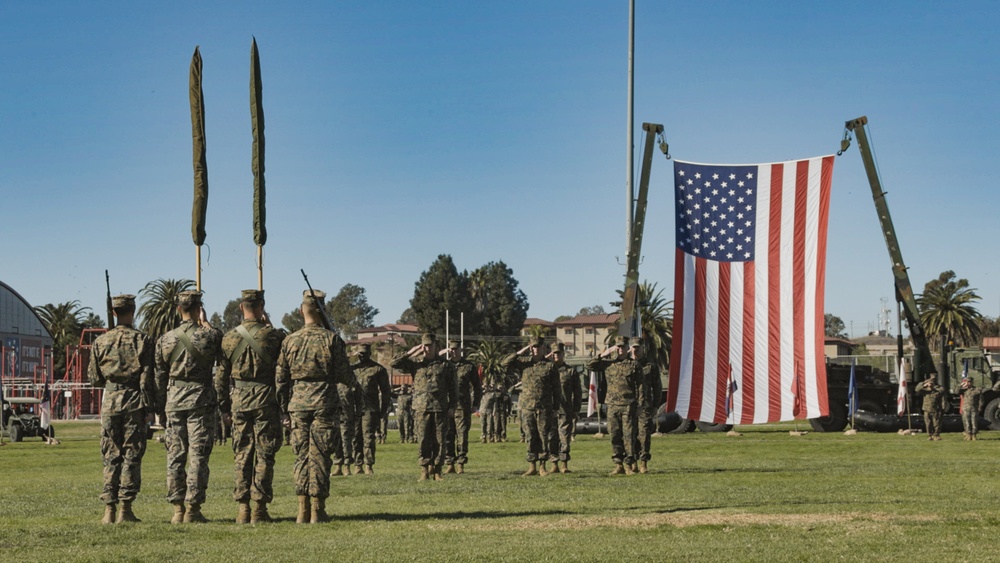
[20, 419]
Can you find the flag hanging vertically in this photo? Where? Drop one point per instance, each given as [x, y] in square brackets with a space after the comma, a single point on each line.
[592, 395]
[748, 291]
[852, 391]
[45, 409]
[901, 394]
[733, 387]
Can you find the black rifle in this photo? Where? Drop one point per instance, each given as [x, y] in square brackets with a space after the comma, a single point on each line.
[322, 310]
[111, 313]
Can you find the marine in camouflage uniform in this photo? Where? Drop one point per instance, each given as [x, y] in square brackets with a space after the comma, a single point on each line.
[571, 394]
[121, 361]
[622, 375]
[650, 395]
[376, 398]
[486, 407]
[184, 359]
[435, 396]
[344, 454]
[404, 413]
[470, 392]
[312, 361]
[933, 404]
[972, 401]
[540, 396]
[248, 360]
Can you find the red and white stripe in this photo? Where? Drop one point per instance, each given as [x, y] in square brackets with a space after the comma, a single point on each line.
[762, 319]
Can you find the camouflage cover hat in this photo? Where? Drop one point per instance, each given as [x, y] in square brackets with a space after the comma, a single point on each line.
[189, 298]
[122, 301]
[636, 343]
[558, 347]
[428, 338]
[307, 296]
[366, 347]
[252, 295]
[621, 341]
[454, 344]
[536, 341]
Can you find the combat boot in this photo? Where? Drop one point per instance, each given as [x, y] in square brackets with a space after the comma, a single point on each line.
[358, 470]
[642, 467]
[303, 516]
[460, 468]
[318, 515]
[483, 439]
[178, 516]
[966, 436]
[437, 473]
[423, 473]
[974, 438]
[193, 514]
[532, 470]
[450, 468]
[259, 513]
[542, 470]
[338, 470]
[369, 470]
[126, 514]
[618, 470]
[243, 513]
[630, 468]
[109, 513]
[565, 467]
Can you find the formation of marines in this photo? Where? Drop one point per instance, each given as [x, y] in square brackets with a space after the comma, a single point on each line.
[334, 411]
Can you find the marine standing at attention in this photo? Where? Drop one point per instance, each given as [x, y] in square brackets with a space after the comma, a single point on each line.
[622, 375]
[312, 361]
[470, 391]
[649, 399]
[121, 361]
[184, 360]
[376, 398]
[571, 395]
[539, 398]
[249, 360]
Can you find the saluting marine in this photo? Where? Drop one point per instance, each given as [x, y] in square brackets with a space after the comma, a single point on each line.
[622, 374]
[470, 391]
[650, 395]
[571, 394]
[540, 395]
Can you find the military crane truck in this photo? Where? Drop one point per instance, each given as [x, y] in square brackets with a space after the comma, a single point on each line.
[877, 389]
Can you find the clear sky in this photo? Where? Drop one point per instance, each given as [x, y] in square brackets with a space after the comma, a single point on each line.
[398, 130]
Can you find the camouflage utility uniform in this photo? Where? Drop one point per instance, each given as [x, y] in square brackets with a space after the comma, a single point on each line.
[972, 402]
[571, 394]
[539, 397]
[249, 359]
[404, 413]
[376, 398]
[312, 362]
[121, 361]
[184, 360]
[470, 392]
[344, 434]
[435, 394]
[650, 395]
[933, 405]
[622, 375]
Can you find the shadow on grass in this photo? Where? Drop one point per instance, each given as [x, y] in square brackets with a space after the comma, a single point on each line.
[459, 515]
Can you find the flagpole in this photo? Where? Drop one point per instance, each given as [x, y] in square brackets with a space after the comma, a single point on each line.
[197, 272]
[260, 267]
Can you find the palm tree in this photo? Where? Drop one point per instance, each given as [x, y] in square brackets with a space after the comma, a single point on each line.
[488, 355]
[64, 322]
[657, 319]
[158, 312]
[946, 309]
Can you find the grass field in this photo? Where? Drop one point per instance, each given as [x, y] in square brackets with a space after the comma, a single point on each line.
[765, 496]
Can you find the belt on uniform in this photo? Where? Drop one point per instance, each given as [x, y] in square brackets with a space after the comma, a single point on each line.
[238, 383]
[112, 386]
[186, 383]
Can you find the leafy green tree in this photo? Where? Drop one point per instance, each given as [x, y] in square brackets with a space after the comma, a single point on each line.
[834, 326]
[500, 307]
[657, 319]
[561, 318]
[93, 320]
[64, 322]
[488, 355]
[408, 317]
[158, 310]
[594, 310]
[441, 288]
[946, 309]
[232, 316]
[293, 320]
[990, 326]
[350, 312]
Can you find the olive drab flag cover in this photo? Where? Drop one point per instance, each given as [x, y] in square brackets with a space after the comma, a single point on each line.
[748, 290]
[257, 160]
[198, 148]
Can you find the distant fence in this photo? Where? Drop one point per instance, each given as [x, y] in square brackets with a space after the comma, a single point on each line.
[884, 363]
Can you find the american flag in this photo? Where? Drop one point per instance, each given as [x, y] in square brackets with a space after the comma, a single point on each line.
[748, 290]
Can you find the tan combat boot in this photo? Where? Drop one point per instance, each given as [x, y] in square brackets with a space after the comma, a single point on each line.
[318, 515]
[193, 514]
[259, 513]
[532, 470]
[303, 516]
[338, 471]
[243, 513]
[542, 470]
[109, 513]
[423, 473]
[358, 470]
[437, 473]
[126, 514]
[450, 468]
[369, 470]
[966, 437]
[565, 467]
[618, 470]
[630, 468]
[460, 468]
[642, 467]
[482, 439]
[178, 516]
[974, 438]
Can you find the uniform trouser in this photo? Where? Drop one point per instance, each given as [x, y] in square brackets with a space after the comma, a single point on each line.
[359, 438]
[432, 429]
[383, 425]
[500, 413]
[190, 436]
[621, 427]
[564, 432]
[123, 443]
[932, 421]
[343, 439]
[536, 429]
[369, 425]
[256, 440]
[970, 420]
[458, 437]
[486, 408]
[405, 420]
[313, 440]
[644, 433]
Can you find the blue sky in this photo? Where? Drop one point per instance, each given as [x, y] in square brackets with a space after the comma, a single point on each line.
[397, 131]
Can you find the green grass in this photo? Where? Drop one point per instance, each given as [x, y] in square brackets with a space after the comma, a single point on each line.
[765, 496]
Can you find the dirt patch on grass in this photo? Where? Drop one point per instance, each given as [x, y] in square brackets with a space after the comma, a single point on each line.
[687, 519]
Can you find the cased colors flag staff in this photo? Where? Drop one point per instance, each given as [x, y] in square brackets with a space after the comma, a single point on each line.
[748, 290]
[200, 161]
